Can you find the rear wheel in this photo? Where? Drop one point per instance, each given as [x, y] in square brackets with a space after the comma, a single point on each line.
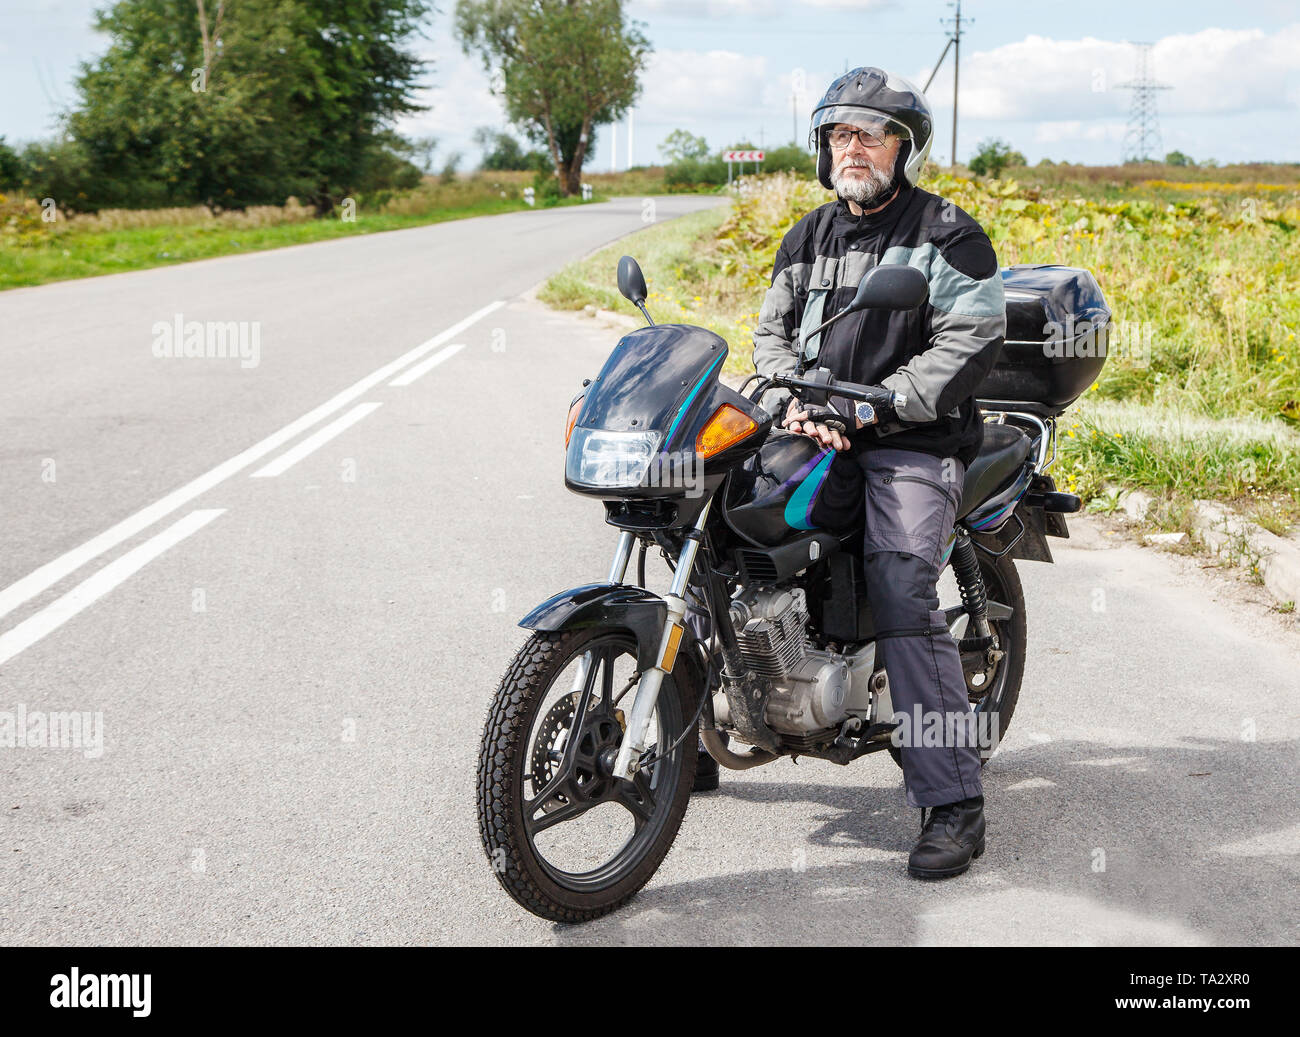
[566, 839]
[993, 688]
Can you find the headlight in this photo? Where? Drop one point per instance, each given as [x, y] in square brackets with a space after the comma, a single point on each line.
[618, 460]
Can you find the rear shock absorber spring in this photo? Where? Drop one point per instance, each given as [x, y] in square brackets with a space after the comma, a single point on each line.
[970, 583]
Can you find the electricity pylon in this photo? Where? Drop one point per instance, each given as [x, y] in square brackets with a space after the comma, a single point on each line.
[1142, 138]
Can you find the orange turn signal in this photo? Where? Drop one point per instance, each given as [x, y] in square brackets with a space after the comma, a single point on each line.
[727, 427]
[573, 418]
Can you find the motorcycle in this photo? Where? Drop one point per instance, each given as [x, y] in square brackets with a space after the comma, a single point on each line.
[765, 636]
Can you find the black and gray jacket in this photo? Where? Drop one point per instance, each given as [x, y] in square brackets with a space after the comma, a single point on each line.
[934, 356]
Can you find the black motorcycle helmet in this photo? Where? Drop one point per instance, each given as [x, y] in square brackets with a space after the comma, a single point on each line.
[871, 97]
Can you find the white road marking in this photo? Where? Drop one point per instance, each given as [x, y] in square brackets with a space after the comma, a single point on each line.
[315, 441]
[51, 573]
[425, 366]
[91, 589]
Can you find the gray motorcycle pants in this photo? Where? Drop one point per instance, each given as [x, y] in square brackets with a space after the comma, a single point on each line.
[911, 505]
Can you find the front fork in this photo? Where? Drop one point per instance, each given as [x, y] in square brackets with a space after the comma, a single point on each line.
[617, 571]
[647, 691]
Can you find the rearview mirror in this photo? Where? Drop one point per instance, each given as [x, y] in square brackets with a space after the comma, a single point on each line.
[889, 287]
[631, 282]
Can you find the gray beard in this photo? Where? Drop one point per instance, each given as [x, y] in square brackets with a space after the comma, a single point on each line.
[868, 192]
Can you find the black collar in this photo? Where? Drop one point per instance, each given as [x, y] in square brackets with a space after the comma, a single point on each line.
[867, 222]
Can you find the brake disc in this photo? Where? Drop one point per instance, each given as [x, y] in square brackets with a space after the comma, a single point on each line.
[548, 748]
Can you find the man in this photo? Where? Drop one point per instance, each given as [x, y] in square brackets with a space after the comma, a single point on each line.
[872, 133]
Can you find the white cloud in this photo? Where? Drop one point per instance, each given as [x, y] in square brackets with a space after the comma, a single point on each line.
[704, 8]
[744, 8]
[458, 101]
[1075, 130]
[1211, 72]
[1048, 96]
[856, 5]
[686, 85]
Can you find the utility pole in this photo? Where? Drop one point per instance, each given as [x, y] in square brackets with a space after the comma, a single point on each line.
[953, 44]
[955, 39]
[956, 71]
[630, 113]
[1142, 138]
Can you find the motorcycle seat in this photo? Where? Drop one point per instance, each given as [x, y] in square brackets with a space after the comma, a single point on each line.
[1000, 456]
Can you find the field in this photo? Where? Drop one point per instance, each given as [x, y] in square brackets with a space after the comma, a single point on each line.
[42, 244]
[1203, 274]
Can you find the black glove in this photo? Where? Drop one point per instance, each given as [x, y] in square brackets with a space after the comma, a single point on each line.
[828, 416]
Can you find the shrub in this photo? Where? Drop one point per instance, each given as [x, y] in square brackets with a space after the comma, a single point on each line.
[993, 157]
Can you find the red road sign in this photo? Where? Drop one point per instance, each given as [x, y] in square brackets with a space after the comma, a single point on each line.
[742, 156]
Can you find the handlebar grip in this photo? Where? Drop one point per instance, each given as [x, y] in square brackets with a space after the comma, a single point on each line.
[833, 387]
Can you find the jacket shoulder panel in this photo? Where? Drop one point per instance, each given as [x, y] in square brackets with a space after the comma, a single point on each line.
[951, 290]
[798, 242]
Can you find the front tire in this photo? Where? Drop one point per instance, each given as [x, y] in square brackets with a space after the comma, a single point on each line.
[543, 769]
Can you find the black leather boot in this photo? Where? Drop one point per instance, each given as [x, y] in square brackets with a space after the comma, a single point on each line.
[706, 772]
[951, 838]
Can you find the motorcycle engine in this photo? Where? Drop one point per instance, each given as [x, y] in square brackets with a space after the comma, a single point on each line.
[812, 688]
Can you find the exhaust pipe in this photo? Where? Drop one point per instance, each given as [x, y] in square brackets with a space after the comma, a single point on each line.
[735, 761]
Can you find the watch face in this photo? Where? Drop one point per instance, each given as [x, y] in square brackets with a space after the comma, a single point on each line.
[866, 413]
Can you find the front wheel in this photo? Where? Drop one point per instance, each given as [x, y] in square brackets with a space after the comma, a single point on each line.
[566, 839]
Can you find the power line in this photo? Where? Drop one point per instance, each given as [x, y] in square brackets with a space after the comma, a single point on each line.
[1142, 138]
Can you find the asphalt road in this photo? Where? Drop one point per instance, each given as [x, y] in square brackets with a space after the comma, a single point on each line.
[292, 684]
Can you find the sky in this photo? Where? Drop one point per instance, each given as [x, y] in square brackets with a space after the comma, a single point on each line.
[1046, 76]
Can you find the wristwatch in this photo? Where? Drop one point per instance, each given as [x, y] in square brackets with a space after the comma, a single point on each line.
[865, 413]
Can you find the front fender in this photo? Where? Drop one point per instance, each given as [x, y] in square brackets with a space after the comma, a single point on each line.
[606, 605]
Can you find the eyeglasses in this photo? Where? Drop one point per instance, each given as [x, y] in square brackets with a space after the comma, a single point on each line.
[840, 137]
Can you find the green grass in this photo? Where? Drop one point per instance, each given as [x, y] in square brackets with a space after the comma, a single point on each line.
[1170, 184]
[1177, 456]
[33, 252]
[111, 252]
[676, 274]
[1207, 273]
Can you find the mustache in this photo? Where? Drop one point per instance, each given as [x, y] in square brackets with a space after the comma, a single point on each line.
[864, 190]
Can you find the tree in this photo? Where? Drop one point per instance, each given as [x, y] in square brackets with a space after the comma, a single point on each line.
[564, 66]
[792, 158]
[449, 168]
[502, 151]
[680, 145]
[11, 167]
[422, 152]
[57, 169]
[247, 103]
[1177, 158]
[993, 157]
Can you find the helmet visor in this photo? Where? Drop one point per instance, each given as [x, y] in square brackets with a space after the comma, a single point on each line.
[876, 124]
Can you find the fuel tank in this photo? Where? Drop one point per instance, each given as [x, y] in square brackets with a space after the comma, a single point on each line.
[772, 496]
